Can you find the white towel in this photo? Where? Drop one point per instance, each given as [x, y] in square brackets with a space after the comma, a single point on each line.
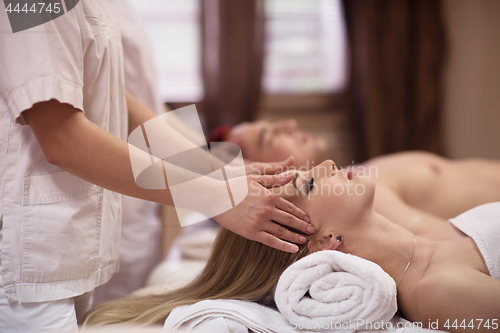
[253, 316]
[482, 224]
[224, 316]
[330, 288]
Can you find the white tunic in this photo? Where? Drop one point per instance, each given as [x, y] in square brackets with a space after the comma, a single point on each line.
[141, 225]
[60, 233]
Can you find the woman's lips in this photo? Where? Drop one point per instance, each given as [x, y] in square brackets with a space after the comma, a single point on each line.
[305, 136]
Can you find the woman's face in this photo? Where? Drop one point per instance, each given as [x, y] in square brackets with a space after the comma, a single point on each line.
[332, 198]
[263, 141]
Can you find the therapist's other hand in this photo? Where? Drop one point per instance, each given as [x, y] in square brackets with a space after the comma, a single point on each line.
[261, 216]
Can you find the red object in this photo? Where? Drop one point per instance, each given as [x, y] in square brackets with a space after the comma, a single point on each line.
[220, 134]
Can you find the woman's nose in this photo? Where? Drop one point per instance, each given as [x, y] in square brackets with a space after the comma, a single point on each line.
[329, 166]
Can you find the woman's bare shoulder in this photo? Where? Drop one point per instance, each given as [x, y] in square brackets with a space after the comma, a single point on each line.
[462, 294]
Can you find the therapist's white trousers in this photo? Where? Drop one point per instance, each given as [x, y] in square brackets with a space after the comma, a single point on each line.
[57, 315]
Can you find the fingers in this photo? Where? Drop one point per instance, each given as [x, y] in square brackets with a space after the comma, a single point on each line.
[287, 206]
[283, 233]
[274, 242]
[269, 181]
[287, 219]
[286, 214]
[269, 168]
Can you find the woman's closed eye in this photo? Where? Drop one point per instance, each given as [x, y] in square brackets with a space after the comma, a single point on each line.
[304, 182]
[310, 186]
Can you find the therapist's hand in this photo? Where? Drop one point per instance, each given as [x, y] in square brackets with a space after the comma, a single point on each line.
[261, 216]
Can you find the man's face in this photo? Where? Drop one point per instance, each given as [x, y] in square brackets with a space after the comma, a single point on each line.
[263, 141]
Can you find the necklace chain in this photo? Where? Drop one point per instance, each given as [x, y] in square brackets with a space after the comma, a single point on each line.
[409, 262]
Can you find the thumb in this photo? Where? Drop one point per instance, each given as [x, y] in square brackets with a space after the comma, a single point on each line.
[288, 162]
[274, 180]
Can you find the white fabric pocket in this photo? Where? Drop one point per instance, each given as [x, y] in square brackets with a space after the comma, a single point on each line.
[61, 218]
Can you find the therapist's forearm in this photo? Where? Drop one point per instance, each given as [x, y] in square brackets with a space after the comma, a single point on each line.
[184, 129]
[70, 141]
[139, 113]
[175, 134]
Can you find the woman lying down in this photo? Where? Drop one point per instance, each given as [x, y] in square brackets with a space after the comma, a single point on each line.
[441, 276]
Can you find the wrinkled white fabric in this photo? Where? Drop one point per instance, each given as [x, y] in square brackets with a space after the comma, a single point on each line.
[141, 224]
[482, 224]
[221, 316]
[328, 287]
[252, 316]
[19, 317]
[60, 233]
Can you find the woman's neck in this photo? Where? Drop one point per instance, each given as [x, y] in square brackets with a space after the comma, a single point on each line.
[381, 241]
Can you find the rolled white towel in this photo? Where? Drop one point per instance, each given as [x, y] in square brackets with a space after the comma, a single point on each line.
[329, 288]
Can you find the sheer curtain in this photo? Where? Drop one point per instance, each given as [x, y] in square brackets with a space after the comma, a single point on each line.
[173, 27]
[305, 51]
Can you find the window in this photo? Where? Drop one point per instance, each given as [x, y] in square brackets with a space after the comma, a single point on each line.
[305, 47]
[173, 26]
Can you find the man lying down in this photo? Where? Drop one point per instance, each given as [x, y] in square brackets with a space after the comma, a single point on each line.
[441, 274]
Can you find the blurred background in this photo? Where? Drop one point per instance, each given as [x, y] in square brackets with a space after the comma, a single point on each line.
[371, 76]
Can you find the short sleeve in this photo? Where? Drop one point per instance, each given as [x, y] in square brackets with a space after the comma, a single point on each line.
[41, 63]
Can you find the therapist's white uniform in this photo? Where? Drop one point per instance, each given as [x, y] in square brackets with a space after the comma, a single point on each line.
[141, 224]
[59, 234]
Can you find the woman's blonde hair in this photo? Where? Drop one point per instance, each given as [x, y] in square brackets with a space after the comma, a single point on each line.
[237, 269]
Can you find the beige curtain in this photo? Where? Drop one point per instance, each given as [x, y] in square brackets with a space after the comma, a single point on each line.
[232, 57]
[397, 49]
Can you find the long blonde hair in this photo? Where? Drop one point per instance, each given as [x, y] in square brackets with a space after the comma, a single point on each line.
[237, 269]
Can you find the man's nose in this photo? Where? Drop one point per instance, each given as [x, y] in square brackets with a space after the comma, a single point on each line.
[292, 125]
[288, 126]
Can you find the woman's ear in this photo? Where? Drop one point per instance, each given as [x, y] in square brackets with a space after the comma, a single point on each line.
[329, 243]
[313, 245]
[337, 242]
